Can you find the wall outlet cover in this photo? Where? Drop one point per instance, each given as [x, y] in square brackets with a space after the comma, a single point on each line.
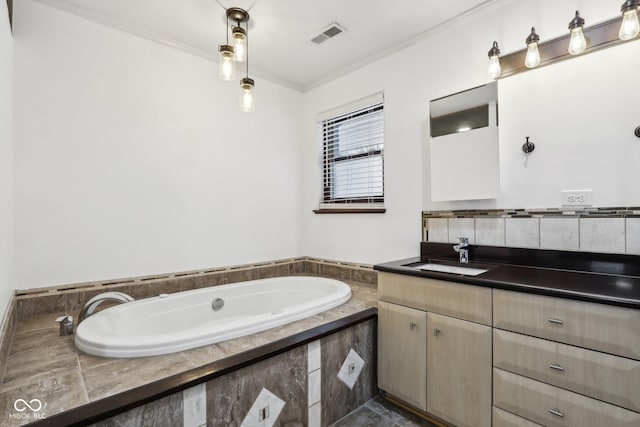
[577, 197]
[351, 369]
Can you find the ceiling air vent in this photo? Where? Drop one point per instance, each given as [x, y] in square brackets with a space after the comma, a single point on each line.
[331, 31]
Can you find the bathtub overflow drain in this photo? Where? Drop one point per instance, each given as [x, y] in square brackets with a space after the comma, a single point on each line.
[217, 304]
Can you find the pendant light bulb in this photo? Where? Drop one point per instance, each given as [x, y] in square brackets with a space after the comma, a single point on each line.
[578, 42]
[533, 54]
[247, 95]
[630, 27]
[227, 66]
[494, 69]
[239, 36]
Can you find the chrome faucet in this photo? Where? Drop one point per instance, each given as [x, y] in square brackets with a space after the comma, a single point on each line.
[91, 305]
[463, 249]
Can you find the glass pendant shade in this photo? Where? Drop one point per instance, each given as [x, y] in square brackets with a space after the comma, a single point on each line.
[532, 59]
[577, 43]
[240, 43]
[494, 69]
[247, 95]
[630, 27]
[227, 64]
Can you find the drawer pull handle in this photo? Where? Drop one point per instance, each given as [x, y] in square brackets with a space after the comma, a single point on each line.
[556, 321]
[412, 325]
[556, 412]
[556, 367]
[436, 332]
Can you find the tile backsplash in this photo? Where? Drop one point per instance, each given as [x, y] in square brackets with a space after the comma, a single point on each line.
[611, 230]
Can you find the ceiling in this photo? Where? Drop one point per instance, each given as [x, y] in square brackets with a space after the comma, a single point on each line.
[280, 30]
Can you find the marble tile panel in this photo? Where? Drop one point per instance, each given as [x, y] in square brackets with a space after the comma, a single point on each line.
[39, 351]
[39, 321]
[364, 417]
[438, 230]
[335, 271]
[277, 270]
[364, 275]
[88, 361]
[240, 344]
[230, 397]
[334, 349]
[560, 233]
[164, 412]
[154, 288]
[633, 236]
[315, 415]
[29, 305]
[201, 356]
[195, 406]
[522, 232]
[202, 281]
[313, 356]
[490, 231]
[123, 374]
[297, 268]
[311, 267]
[399, 416]
[314, 387]
[241, 275]
[462, 227]
[57, 391]
[602, 235]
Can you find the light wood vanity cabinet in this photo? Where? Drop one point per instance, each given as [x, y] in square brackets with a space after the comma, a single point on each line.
[445, 366]
[561, 362]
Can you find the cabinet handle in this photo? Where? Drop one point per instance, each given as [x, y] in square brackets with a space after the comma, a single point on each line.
[412, 325]
[556, 367]
[556, 321]
[556, 412]
[436, 332]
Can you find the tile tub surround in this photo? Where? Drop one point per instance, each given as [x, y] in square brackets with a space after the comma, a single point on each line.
[43, 365]
[604, 230]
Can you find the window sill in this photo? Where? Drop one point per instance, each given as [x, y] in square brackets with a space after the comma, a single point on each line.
[351, 211]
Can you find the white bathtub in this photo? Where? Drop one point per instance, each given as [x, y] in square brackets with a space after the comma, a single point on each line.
[184, 320]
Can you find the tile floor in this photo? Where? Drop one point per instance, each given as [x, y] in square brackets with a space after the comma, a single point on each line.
[378, 412]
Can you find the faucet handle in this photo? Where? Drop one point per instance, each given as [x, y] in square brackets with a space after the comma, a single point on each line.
[464, 240]
[66, 325]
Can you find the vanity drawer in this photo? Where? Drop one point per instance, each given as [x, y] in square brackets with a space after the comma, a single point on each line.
[596, 326]
[554, 407]
[457, 300]
[602, 376]
[507, 419]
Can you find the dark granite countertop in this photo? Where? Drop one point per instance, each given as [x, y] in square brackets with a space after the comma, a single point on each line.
[593, 282]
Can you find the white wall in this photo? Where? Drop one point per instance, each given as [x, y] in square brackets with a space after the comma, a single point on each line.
[446, 62]
[132, 158]
[6, 159]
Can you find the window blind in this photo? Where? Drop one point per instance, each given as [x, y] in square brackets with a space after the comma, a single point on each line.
[353, 156]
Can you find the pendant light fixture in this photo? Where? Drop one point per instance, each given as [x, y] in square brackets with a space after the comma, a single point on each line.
[577, 43]
[494, 69]
[239, 36]
[227, 61]
[630, 27]
[532, 59]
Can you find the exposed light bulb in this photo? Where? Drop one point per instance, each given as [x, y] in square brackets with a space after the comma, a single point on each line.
[227, 66]
[494, 69]
[630, 27]
[532, 59]
[240, 43]
[247, 95]
[577, 43]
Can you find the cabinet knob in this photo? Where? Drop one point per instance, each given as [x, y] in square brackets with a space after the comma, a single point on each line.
[412, 325]
[556, 412]
[436, 332]
[556, 367]
[556, 321]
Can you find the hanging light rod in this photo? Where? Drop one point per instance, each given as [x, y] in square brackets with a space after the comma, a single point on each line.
[599, 36]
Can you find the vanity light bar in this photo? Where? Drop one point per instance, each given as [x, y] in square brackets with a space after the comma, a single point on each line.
[600, 36]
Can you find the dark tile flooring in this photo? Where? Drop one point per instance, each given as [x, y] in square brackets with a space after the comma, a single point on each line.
[378, 412]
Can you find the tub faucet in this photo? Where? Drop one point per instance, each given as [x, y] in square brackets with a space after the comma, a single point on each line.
[66, 325]
[463, 249]
[91, 305]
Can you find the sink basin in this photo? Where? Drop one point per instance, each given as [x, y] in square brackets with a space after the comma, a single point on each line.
[441, 268]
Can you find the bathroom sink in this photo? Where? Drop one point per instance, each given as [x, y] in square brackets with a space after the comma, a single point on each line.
[454, 269]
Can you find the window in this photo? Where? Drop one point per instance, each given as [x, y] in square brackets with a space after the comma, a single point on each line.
[353, 158]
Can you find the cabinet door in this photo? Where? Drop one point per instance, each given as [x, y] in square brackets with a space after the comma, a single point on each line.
[402, 348]
[459, 371]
